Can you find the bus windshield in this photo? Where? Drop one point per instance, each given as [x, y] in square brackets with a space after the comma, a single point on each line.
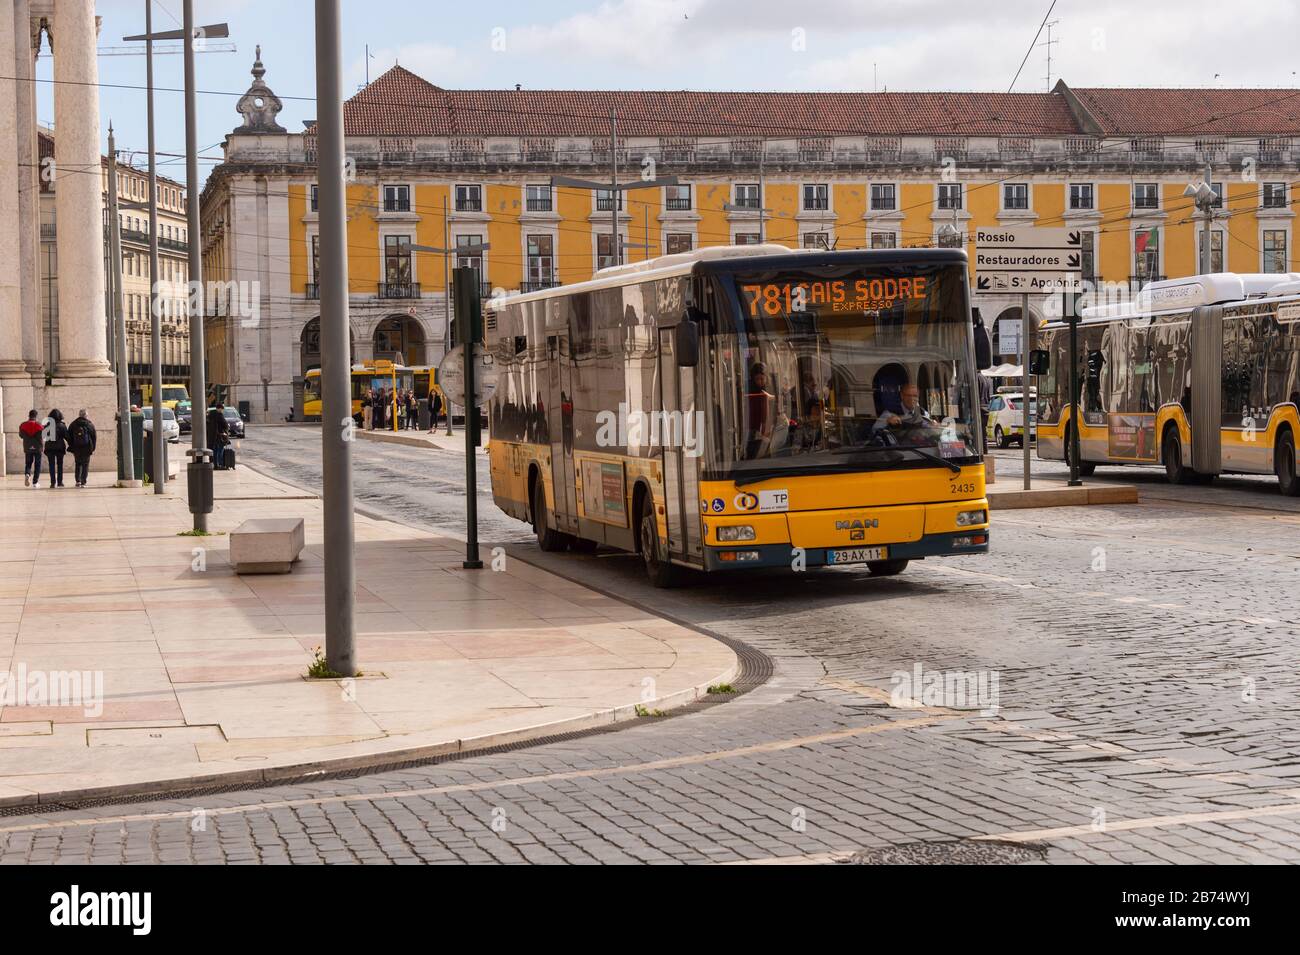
[845, 369]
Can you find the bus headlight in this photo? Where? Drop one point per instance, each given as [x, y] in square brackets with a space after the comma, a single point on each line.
[967, 518]
[736, 532]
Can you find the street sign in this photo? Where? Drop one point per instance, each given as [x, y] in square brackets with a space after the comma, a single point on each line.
[1009, 336]
[1027, 259]
[451, 376]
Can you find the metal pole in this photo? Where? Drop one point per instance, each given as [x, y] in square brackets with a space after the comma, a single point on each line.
[155, 320]
[446, 304]
[336, 388]
[200, 466]
[119, 326]
[467, 314]
[762, 214]
[1074, 401]
[1208, 215]
[614, 194]
[1026, 398]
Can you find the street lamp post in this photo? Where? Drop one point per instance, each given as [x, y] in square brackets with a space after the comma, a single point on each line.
[446, 251]
[1205, 198]
[615, 189]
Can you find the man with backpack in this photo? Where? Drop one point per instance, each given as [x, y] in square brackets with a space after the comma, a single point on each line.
[82, 439]
[33, 442]
[56, 445]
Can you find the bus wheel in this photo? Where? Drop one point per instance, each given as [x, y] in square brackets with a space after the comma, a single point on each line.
[1086, 468]
[999, 437]
[886, 568]
[1172, 455]
[548, 539]
[1284, 465]
[657, 567]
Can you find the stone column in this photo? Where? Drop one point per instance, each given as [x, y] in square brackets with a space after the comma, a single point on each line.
[15, 380]
[82, 376]
[29, 193]
[78, 193]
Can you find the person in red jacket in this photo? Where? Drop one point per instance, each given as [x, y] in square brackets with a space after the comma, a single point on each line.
[33, 445]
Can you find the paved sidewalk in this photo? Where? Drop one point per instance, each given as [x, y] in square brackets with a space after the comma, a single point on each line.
[425, 439]
[203, 671]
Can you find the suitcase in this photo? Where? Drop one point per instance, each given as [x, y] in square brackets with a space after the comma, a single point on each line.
[228, 459]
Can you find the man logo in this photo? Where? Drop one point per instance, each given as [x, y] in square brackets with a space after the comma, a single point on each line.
[745, 501]
[856, 525]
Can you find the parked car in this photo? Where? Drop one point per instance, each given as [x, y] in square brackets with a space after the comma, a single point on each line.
[235, 421]
[184, 415]
[171, 429]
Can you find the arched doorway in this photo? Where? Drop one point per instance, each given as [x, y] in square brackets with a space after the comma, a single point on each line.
[400, 337]
[309, 346]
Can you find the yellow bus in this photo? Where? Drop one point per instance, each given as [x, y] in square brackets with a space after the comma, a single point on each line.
[372, 375]
[1198, 374]
[172, 392]
[742, 407]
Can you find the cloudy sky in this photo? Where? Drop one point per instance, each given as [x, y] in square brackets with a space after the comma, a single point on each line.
[693, 44]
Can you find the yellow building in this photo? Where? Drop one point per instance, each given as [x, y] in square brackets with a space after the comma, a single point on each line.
[459, 168]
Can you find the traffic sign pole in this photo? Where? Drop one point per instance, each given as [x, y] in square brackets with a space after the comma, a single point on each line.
[1073, 436]
[469, 313]
[1027, 396]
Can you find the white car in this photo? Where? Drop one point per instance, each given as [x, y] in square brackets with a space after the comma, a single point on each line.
[1004, 423]
[171, 427]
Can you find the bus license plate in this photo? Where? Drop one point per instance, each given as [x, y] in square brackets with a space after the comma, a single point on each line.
[856, 555]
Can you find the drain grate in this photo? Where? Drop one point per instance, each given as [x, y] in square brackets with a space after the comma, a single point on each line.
[963, 852]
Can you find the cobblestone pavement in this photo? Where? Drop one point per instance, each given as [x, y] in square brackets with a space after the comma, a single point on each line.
[1145, 686]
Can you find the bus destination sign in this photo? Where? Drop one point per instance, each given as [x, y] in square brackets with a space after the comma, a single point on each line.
[832, 295]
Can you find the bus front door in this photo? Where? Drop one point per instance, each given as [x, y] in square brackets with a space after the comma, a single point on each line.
[680, 440]
[559, 426]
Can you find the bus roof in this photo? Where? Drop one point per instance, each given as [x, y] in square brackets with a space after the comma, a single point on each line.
[1182, 294]
[729, 258]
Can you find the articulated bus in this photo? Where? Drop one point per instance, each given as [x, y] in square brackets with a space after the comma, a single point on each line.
[740, 407]
[369, 374]
[1199, 374]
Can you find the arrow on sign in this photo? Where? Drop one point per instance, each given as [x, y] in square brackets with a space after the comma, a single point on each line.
[981, 282]
[1075, 238]
[1073, 261]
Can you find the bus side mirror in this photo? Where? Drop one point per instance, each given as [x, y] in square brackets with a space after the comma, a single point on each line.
[1039, 362]
[686, 343]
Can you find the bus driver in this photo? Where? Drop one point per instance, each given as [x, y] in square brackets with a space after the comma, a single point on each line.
[912, 416]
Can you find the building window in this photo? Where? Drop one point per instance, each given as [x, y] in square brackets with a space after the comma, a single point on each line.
[816, 240]
[1216, 250]
[541, 262]
[1146, 195]
[1275, 250]
[468, 258]
[537, 198]
[314, 204]
[1275, 195]
[677, 198]
[1218, 194]
[469, 198]
[950, 195]
[1146, 254]
[605, 256]
[315, 260]
[883, 197]
[1080, 195]
[1088, 256]
[679, 242]
[605, 200]
[884, 240]
[747, 195]
[397, 198]
[1015, 196]
[816, 197]
[397, 259]
[746, 238]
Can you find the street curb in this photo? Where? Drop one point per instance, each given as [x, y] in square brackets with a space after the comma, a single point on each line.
[411, 440]
[464, 746]
[1001, 500]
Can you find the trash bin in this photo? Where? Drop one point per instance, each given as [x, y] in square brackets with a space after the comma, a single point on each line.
[137, 448]
[147, 463]
[245, 409]
[426, 415]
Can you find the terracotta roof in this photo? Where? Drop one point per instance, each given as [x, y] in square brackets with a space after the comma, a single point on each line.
[1229, 112]
[399, 103]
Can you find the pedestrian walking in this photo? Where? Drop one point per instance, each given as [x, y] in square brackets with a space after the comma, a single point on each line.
[218, 427]
[368, 409]
[412, 412]
[435, 409]
[32, 431]
[56, 445]
[381, 408]
[82, 440]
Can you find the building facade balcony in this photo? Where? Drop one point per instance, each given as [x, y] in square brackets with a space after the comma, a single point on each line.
[389, 290]
[538, 286]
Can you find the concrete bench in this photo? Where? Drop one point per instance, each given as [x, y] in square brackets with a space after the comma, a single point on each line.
[266, 545]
